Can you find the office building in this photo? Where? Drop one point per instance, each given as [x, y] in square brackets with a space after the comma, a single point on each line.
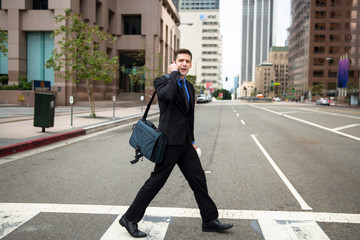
[257, 36]
[140, 25]
[264, 76]
[354, 54]
[204, 40]
[322, 33]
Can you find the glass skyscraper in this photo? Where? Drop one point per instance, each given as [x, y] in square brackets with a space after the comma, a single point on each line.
[257, 25]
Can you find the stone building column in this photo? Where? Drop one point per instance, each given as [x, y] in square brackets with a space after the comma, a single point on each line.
[16, 47]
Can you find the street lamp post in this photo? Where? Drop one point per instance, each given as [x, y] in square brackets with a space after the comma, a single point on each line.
[176, 25]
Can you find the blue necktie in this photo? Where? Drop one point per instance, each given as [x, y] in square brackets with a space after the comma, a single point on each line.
[185, 95]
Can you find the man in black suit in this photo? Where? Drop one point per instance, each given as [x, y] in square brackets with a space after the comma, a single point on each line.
[178, 94]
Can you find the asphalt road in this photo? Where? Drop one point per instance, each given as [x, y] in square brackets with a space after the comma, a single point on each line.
[274, 170]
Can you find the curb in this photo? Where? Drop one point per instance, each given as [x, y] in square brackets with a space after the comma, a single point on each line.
[27, 145]
[42, 141]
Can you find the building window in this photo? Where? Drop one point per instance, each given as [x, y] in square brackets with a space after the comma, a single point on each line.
[335, 26]
[336, 3]
[333, 50]
[334, 38]
[132, 25]
[39, 48]
[40, 4]
[318, 73]
[335, 14]
[319, 50]
[210, 30]
[209, 38]
[318, 61]
[320, 14]
[3, 62]
[320, 26]
[321, 3]
[332, 74]
[319, 38]
[111, 21]
[210, 23]
[209, 45]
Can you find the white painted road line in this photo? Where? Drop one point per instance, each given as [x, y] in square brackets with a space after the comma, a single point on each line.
[243, 123]
[312, 124]
[291, 230]
[329, 113]
[155, 227]
[344, 127]
[237, 115]
[157, 219]
[34, 208]
[10, 220]
[297, 196]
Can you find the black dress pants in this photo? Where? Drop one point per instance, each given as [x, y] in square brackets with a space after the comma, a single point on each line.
[188, 161]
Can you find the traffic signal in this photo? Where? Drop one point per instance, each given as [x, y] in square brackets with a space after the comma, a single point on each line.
[226, 79]
[272, 82]
[293, 90]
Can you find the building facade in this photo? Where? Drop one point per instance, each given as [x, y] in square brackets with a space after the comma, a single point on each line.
[257, 36]
[354, 54]
[140, 25]
[280, 60]
[321, 34]
[265, 76]
[204, 40]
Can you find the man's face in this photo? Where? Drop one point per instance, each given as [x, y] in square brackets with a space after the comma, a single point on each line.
[183, 62]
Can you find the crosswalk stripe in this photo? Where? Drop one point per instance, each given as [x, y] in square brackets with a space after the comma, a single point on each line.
[291, 225]
[291, 230]
[154, 226]
[10, 220]
[181, 212]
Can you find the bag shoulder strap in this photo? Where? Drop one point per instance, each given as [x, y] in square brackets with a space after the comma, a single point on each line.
[151, 100]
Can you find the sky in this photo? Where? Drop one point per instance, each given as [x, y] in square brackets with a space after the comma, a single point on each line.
[230, 28]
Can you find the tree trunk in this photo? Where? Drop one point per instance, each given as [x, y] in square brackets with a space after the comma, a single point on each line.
[90, 87]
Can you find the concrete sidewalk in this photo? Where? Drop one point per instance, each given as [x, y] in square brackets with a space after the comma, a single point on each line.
[17, 132]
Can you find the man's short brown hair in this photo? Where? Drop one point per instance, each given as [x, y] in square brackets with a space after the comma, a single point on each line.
[180, 51]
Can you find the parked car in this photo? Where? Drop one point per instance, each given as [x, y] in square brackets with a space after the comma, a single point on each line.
[201, 98]
[276, 99]
[323, 101]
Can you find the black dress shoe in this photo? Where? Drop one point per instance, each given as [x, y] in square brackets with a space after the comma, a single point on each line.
[215, 226]
[131, 227]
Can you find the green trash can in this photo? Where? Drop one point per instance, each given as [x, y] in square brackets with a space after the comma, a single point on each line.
[44, 111]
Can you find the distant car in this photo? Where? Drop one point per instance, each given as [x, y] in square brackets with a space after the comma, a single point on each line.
[201, 98]
[323, 101]
[277, 99]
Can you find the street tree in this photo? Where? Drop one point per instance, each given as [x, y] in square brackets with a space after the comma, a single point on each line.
[79, 57]
[226, 94]
[3, 42]
[317, 89]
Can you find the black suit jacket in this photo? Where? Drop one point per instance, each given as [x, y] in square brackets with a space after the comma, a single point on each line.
[180, 127]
